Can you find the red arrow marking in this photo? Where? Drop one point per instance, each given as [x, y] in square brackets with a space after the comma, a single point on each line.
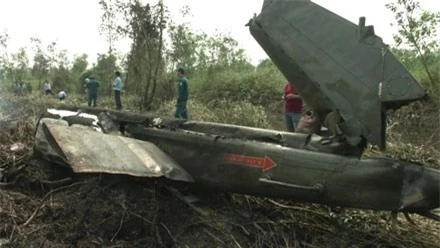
[265, 163]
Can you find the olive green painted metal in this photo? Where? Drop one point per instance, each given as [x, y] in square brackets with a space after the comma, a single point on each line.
[245, 160]
[343, 72]
[336, 66]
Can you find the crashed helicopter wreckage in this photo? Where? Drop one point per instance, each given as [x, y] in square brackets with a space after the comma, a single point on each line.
[347, 76]
[233, 158]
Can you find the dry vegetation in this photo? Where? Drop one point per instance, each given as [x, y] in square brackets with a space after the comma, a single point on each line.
[41, 206]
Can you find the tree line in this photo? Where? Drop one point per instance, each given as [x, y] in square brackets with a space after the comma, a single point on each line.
[217, 67]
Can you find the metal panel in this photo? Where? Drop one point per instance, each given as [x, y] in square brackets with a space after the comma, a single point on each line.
[88, 151]
[335, 65]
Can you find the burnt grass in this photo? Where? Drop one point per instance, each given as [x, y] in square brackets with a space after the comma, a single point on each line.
[44, 205]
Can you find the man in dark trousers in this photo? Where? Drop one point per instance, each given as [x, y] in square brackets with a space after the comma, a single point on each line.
[92, 90]
[117, 87]
[182, 94]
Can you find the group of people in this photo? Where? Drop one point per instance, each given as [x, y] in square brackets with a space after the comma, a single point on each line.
[293, 104]
[20, 88]
[92, 85]
[48, 90]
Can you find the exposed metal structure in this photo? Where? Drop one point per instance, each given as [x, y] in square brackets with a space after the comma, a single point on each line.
[336, 66]
[343, 72]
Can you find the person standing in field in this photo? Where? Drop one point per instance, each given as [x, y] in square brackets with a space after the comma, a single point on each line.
[182, 94]
[86, 81]
[117, 87]
[92, 91]
[292, 107]
[47, 88]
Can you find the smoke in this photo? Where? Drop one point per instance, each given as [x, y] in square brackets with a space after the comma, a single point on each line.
[12, 108]
[6, 107]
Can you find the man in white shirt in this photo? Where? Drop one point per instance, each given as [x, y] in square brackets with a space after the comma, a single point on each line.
[62, 95]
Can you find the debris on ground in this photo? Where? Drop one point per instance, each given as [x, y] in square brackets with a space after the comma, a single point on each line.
[42, 205]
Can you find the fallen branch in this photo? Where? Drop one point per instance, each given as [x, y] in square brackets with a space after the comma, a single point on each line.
[158, 237]
[235, 241]
[140, 217]
[10, 183]
[61, 181]
[210, 222]
[12, 234]
[296, 208]
[120, 226]
[215, 237]
[169, 233]
[46, 196]
[408, 218]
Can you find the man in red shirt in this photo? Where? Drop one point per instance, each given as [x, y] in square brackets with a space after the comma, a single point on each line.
[292, 107]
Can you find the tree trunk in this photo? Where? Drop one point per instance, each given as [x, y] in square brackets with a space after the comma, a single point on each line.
[159, 56]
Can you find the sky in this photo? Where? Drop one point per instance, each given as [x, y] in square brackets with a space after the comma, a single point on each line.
[73, 24]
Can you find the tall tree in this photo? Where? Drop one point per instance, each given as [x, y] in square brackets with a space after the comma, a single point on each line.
[40, 68]
[59, 67]
[198, 51]
[51, 54]
[104, 72]
[417, 29]
[21, 64]
[145, 25]
[109, 17]
[223, 51]
[78, 68]
[184, 44]
[5, 58]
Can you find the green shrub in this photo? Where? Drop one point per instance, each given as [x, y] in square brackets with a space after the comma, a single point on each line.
[259, 87]
[241, 113]
[196, 110]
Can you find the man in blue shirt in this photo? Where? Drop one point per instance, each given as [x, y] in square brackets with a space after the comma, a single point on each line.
[182, 94]
[117, 87]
